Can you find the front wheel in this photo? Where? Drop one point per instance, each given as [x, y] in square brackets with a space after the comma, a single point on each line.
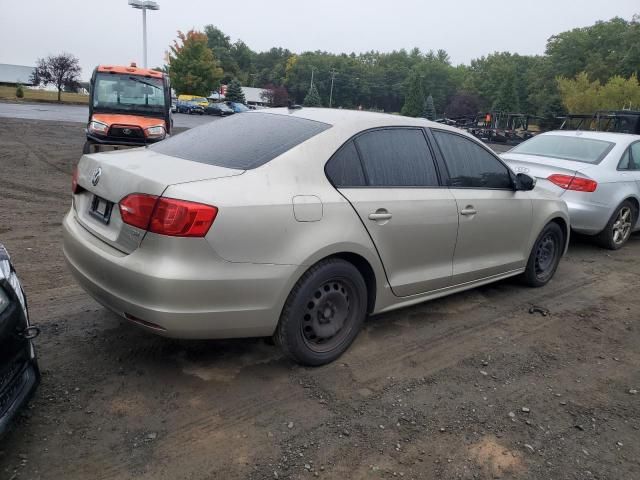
[323, 313]
[545, 256]
[618, 229]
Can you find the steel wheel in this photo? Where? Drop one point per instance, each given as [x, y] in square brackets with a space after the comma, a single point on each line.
[328, 318]
[545, 254]
[621, 228]
[324, 312]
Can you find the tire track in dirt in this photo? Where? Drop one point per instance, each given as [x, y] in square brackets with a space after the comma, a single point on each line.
[38, 192]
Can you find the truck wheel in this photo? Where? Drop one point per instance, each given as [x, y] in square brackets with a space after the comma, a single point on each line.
[86, 148]
[323, 313]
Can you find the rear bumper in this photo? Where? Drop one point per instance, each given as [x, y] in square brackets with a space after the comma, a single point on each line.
[586, 217]
[178, 287]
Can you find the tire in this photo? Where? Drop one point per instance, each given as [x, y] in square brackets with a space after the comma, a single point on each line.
[545, 256]
[323, 313]
[86, 149]
[619, 226]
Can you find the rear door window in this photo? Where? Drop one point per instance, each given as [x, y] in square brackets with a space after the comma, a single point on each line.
[634, 152]
[470, 165]
[344, 169]
[397, 157]
[243, 141]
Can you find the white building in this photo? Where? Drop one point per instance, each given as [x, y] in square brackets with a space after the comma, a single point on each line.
[14, 74]
[252, 96]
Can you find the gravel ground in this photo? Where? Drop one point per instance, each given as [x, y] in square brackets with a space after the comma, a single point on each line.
[471, 386]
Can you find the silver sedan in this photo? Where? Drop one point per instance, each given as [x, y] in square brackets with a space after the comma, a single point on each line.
[299, 223]
[596, 173]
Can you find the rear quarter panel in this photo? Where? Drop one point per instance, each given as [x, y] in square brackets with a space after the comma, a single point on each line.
[546, 208]
[256, 221]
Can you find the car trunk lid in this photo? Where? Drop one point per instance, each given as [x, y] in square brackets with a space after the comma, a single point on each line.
[543, 167]
[106, 178]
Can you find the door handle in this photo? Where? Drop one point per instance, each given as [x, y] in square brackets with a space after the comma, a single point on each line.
[468, 210]
[380, 214]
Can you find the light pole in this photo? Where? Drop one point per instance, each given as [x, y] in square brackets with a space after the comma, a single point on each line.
[144, 5]
[333, 72]
[313, 69]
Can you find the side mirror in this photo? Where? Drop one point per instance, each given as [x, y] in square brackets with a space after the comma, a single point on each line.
[524, 182]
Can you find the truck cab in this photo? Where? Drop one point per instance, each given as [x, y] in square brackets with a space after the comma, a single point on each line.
[128, 107]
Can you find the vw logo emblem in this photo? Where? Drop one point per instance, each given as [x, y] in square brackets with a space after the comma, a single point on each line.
[126, 131]
[95, 178]
[522, 169]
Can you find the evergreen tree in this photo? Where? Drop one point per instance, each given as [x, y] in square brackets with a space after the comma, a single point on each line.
[414, 99]
[429, 109]
[234, 92]
[313, 98]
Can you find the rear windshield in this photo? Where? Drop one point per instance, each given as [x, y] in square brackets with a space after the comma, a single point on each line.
[243, 141]
[565, 148]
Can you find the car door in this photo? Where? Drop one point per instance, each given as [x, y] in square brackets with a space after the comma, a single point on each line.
[495, 220]
[390, 178]
[629, 166]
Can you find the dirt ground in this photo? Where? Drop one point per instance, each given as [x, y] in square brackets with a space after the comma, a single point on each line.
[472, 386]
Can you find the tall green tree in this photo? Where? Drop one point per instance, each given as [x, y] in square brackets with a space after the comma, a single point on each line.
[220, 45]
[234, 92]
[606, 48]
[414, 101]
[429, 109]
[192, 66]
[313, 98]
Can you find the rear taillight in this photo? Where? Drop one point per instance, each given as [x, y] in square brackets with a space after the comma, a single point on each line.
[74, 180]
[136, 209]
[569, 182]
[167, 216]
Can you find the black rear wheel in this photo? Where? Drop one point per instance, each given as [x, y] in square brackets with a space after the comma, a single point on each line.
[323, 313]
[545, 256]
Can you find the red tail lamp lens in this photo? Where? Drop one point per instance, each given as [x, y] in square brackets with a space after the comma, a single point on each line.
[136, 209]
[578, 184]
[167, 216]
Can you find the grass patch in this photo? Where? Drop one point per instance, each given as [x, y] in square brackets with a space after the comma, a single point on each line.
[9, 93]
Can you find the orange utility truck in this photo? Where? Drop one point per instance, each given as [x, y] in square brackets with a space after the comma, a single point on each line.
[128, 107]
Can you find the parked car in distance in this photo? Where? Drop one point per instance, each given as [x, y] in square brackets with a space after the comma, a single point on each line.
[202, 101]
[300, 223]
[596, 173]
[238, 107]
[219, 109]
[190, 107]
[19, 373]
[174, 105]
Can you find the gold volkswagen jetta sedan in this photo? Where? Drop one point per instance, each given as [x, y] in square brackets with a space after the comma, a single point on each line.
[298, 223]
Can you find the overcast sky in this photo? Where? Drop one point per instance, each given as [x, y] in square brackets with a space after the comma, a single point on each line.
[109, 31]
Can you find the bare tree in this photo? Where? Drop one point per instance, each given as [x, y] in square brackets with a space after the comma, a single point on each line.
[62, 71]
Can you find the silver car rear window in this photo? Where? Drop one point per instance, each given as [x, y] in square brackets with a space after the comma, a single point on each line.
[242, 141]
[578, 149]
